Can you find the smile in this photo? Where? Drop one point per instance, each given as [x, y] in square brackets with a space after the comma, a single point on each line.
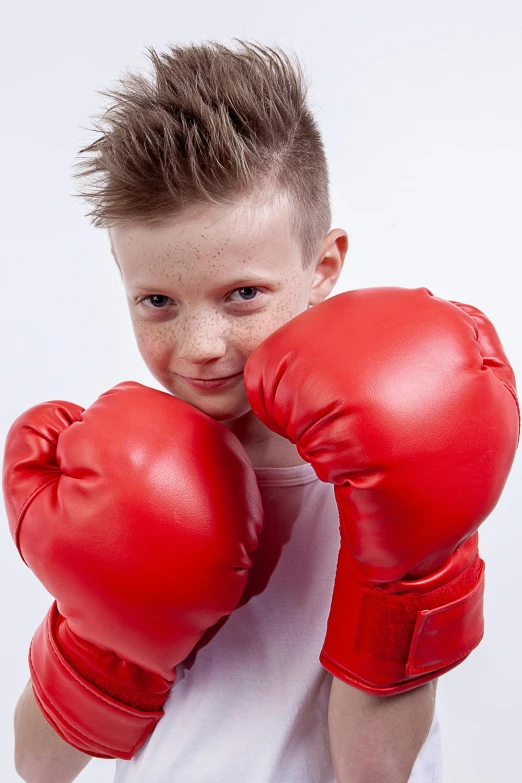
[213, 383]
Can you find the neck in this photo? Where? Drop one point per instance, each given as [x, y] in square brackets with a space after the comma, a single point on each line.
[265, 448]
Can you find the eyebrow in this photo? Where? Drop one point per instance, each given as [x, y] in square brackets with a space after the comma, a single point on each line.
[246, 278]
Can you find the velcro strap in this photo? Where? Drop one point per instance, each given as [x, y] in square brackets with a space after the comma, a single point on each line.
[84, 716]
[461, 621]
[425, 632]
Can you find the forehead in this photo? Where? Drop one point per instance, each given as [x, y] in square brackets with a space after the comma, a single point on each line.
[209, 238]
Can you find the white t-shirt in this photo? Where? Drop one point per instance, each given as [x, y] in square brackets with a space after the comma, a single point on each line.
[251, 705]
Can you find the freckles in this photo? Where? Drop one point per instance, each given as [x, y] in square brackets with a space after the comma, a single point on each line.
[153, 341]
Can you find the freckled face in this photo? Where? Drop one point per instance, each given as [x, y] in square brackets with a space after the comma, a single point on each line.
[204, 290]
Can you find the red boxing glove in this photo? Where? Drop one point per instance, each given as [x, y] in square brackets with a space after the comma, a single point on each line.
[138, 515]
[407, 404]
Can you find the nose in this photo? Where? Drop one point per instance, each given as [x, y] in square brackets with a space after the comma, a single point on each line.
[201, 339]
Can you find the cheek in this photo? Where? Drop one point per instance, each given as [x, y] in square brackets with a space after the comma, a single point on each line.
[154, 344]
[253, 331]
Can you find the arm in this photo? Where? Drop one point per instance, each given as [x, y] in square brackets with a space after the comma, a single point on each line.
[41, 756]
[391, 394]
[141, 562]
[376, 739]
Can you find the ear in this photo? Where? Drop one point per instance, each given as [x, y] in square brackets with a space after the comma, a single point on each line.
[329, 265]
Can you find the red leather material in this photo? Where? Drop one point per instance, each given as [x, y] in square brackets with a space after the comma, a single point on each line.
[461, 621]
[401, 636]
[407, 403]
[139, 515]
[60, 692]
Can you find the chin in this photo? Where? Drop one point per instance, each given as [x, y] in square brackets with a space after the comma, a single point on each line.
[225, 413]
[220, 407]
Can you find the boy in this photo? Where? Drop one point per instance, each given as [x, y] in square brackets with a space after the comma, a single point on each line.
[212, 180]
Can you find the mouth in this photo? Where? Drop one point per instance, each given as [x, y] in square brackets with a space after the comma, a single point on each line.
[212, 383]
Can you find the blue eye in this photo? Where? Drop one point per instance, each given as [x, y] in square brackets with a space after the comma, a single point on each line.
[251, 290]
[248, 293]
[157, 300]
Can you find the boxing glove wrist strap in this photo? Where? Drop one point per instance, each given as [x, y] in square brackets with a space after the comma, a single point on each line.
[385, 644]
[76, 705]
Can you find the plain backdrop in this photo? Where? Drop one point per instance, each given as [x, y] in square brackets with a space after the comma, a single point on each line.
[420, 108]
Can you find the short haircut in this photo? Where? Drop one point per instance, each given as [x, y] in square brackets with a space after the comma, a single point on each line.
[209, 125]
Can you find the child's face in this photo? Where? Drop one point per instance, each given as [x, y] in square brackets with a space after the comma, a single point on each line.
[205, 290]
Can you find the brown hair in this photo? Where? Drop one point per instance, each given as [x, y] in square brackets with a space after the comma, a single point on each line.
[211, 125]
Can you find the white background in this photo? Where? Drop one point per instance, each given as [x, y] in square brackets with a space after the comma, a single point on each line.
[420, 107]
